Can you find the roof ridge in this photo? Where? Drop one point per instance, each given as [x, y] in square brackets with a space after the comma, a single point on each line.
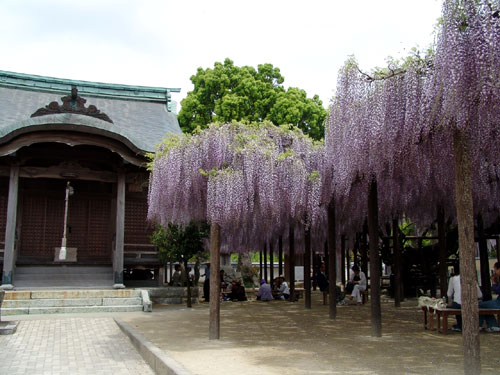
[62, 85]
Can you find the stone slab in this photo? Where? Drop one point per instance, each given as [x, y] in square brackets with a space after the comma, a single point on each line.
[121, 301]
[8, 328]
[110, 293]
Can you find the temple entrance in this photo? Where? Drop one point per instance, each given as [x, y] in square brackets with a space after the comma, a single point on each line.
[89, 226]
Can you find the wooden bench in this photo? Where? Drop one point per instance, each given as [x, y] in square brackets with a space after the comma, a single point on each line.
[442, 314]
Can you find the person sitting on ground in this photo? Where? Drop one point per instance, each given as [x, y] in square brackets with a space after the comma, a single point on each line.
[176, 276]
[238, 291]
[491, 322]
[283, 291]
[223, 284]
[454, 292]
[356, 284]
[264, 293]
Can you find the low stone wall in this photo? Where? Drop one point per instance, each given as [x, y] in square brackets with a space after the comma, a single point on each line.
[173, 295]
[2, 295]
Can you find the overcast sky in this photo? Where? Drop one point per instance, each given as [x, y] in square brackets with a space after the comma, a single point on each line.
[163, 42]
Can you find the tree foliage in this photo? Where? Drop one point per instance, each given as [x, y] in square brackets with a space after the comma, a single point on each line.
[178, 242]
[228, 92]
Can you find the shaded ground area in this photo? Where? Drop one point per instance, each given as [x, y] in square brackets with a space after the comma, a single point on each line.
[280, 337]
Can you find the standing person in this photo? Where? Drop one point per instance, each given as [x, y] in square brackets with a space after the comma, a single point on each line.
[455, 292]
[323, 282]
[177, 276]
[356, 284]
[206, 283]
[491, 322]
[264, 293]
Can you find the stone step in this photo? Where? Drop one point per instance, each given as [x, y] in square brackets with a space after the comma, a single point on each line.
[70, 309]
[29, 270]
[67, 276]
[32, 303]
[71, 294]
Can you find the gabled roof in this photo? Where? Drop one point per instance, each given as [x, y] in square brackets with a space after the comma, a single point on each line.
[139, 114]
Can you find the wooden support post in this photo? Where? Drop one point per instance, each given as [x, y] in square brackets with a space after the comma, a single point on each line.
[260, 265]
[443, 267]
[364, 249]
[307, 269]
[10, 229]
[332, 259]
[120, 232]
[376, 315]
[498, 249]
[280, 256]
[265, 262]
[343, 257]
[271, 263]
[214, 327]
[396, 245]
[465, 218]
[483, 260]
[291, 263]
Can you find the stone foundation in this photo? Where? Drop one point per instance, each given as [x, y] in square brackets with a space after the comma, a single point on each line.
[173, 295]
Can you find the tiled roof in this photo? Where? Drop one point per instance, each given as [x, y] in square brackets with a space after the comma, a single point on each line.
[139, 114]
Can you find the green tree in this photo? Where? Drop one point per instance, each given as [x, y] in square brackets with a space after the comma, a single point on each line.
[181, 244]
[228, 92]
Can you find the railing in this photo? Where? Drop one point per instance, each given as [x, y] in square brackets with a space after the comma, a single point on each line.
[140, 253]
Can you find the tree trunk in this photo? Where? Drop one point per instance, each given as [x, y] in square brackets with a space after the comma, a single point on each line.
[291, 263]
[396, 245]
[332, 260]
[374, 260]
[307, 269]
[465, 216]
[443, 267]
[483, 260]
[214, 329]
[260, 265]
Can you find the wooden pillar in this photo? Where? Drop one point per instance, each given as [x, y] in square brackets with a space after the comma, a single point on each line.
[343, 256]
[271, 264]
[498, 249]
[214, 325]
[120, 232]
[260, 265]
[376, 315]
[364, 250]
[332, 259]
[443, 267]
[465, 218]
[291, 263]
[307, 269]
[10, 229]
[396, 246]
[280, 256]
[265, 262]
[483, 260]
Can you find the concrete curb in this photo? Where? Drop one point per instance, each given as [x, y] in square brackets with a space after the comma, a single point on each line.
[160, 362]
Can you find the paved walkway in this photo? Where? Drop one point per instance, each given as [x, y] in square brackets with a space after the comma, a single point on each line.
[61, 345]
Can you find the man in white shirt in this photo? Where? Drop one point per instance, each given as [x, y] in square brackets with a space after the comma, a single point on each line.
[284, 292]
[358, 280]
[455, 292]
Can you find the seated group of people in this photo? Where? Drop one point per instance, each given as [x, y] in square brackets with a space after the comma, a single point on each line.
[268, 293]
[353, 288]
[454, 294]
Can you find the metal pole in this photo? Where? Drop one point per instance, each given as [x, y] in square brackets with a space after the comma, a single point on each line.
[62, 251]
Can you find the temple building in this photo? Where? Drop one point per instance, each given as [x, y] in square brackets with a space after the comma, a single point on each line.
[73, 174]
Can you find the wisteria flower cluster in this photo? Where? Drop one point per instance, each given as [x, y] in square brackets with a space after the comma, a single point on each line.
[252, 180]
[398, 127]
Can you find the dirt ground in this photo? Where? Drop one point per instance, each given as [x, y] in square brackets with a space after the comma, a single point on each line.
[280, 337]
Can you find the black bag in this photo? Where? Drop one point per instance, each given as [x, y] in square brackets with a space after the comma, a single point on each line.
[349, 288]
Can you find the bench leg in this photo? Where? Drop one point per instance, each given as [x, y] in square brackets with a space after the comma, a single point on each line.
[431, 322]
[445, 323]
[424, 310]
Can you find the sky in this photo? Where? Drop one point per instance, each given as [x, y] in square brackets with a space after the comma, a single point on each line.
[162, 43]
